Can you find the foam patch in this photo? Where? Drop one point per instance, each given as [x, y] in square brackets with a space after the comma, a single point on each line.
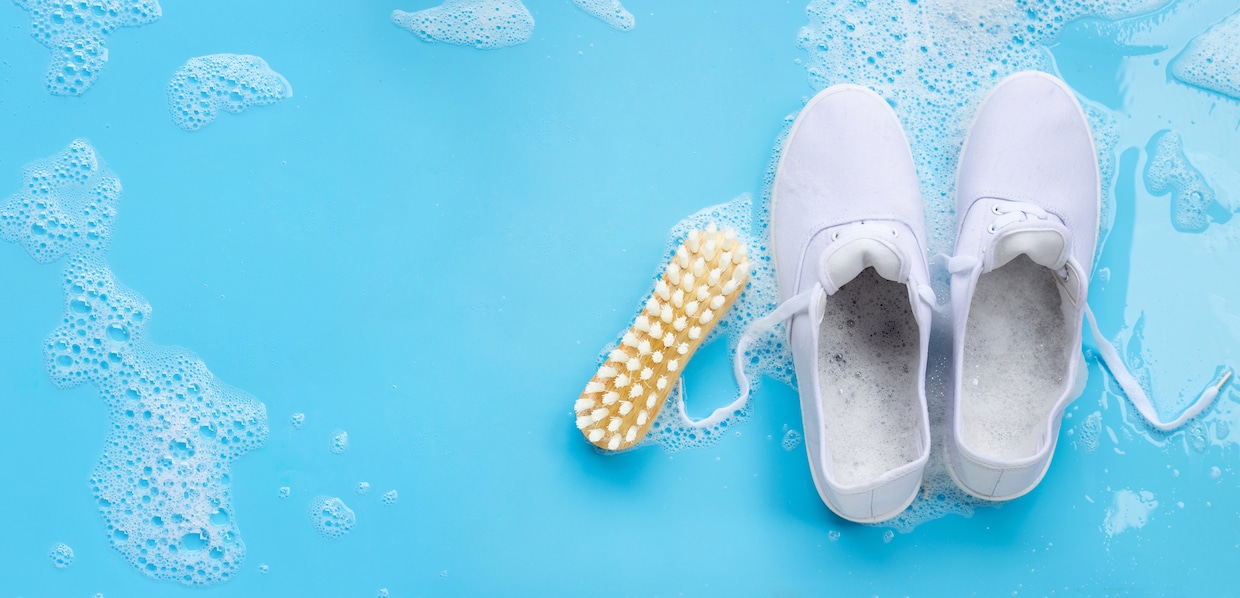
[77, 34]
[608, 11]
[1210, 60]
[61, 556]
[483, 24]
[162, 483]
[1168, 171]
[66, 206]
[1128, 510]
[331, 517]
[207, 85]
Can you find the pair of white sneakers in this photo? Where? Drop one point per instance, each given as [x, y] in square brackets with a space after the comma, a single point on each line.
[849, 245]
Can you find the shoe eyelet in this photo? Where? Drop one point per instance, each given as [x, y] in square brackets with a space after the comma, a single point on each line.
[991, 229]
[835, 236]
[895, 233]
[995, 209]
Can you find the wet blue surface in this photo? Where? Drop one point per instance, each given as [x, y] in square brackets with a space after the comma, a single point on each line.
[427, 245]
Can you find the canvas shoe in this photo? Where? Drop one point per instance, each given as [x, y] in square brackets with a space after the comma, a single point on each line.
[847, 234]
[1028, 201]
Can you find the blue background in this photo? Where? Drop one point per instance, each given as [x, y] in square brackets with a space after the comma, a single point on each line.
[428, 245]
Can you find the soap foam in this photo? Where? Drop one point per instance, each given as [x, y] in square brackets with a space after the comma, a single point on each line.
[1168, 171]
[1128, 510]
[608, 11]
[868, 365]
[66, 207]
[61, 556]
[207, 85]
[483, 24]
[77, 34]
[1210, 60]
[331, 517]
[1017, 349]
[934, 62]
[162, 483]
[1089, 432]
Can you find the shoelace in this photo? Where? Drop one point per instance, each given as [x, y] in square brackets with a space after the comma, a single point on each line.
[1011, 212]
[962, 264]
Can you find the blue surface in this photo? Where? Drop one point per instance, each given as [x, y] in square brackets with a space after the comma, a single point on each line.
[428, 245]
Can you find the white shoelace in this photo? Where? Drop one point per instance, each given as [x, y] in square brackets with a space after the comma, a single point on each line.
[1110, 357]
[1011, 212]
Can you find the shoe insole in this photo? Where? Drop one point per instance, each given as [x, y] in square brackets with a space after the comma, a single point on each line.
[1016, 356]
[867, 366]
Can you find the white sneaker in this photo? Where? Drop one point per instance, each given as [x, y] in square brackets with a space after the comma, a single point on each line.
[1027, 202]
[848, 244]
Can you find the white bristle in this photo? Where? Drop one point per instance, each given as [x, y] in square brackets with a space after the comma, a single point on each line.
[596, 435]
[613, 425]
[647, 373]
[633, 364]
[687, 281]
[636, 391]
[661, 383]
[667, 315]
[680, 323]
[729, 287]
[725, 257]
[683, 348]
[729, 238]
[673, 365]
[629, 339]
[642, 323]
[678, 298]
[599, 414]
[741, 272]
[656, 357]
[625, 408]
[614, 443]
[584, 422]
[619, 354]
[611, 397]
[699, 267]
[651, 400]
[707, 316]
[642, 418]
[691, 308]
[652, 306]
[592, 387]
[673, 276]
[631, 434]
[668, 339]
[738, 256]
[607, 372]
[695, 333]
[711, 227]
[643, 348]
[713, 278]
[656, 330]
[662, 291]
[693, 242]
[583, 405]
[682, 257]
[708, 250]
[717, 302]
[622, 380]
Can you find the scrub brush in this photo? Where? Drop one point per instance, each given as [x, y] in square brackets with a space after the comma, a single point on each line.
[705, 276]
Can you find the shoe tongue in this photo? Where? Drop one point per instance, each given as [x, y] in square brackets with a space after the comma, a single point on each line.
[844, 259]
[1044, 243]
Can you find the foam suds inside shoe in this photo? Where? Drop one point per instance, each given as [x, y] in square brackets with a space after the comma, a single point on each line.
[867, 367]
[1016, 354]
